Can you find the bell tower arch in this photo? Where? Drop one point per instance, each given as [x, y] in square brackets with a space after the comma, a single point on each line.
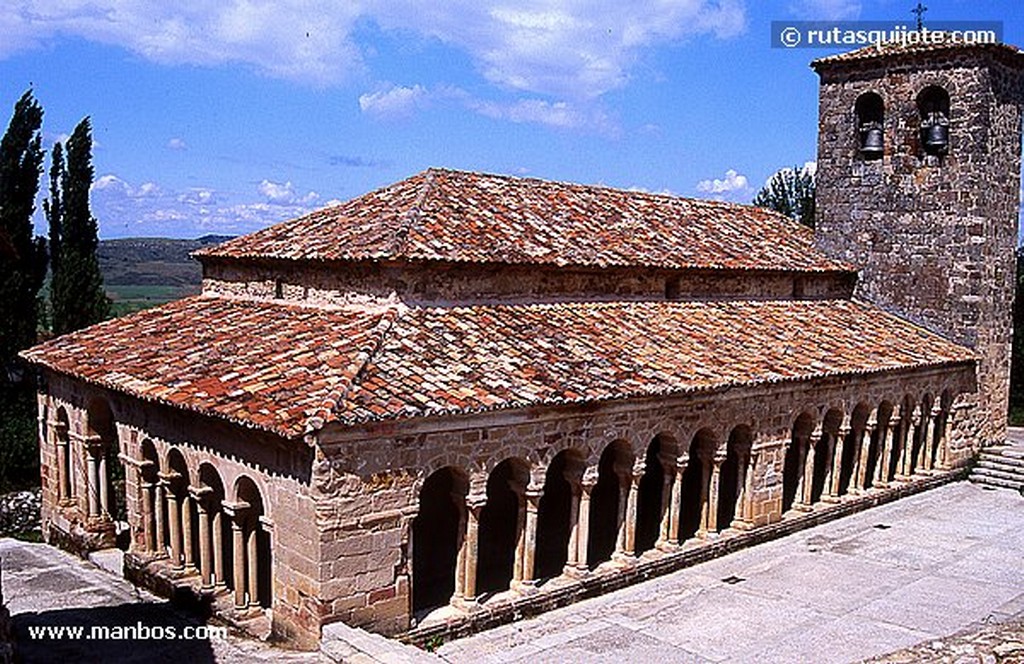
[918, 185]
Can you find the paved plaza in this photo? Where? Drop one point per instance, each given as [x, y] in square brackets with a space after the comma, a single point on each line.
[908, 572]
[869, 584]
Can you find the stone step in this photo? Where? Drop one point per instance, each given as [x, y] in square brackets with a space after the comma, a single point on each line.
[1000, 463]
[997, 482]
[109, 560]
[1013, 474]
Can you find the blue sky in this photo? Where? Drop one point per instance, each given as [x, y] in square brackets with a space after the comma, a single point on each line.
[224, 117]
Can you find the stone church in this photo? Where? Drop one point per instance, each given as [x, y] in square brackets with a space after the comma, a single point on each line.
[465, 398]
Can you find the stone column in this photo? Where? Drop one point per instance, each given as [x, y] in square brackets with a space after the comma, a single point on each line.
[93, 491]
[103, 479]
[888, 440]
[236, 512]
[474, 504]
[835, 475]
[533, 495]
[148, 514]
[665, 525]
[218, 550]
[587, 485]
[629, 550]
[186, 533]
[161, 526]
[519, 557]
[942, 462]
[928, 448]
[907, 446]
[746, 495]
[460, 558]
[200, 496]
[252, 558]
[807, 482]
[864, 451]
[677, 500]
[63, 489]
[711, 513]
[572, 558]
[620, 514]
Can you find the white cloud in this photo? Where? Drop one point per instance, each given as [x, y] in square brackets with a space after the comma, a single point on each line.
[278, 193]
[558, 114]
[177, 143]
[733, 186]
[826, 10]
[562, 48]
[124, 209]
[393, 101]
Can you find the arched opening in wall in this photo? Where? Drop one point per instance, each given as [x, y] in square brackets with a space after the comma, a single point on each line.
[920, 432]
[151, 506]
[109, 480]
[176, 507]
[695, 485]
[933, 108]
[870, 125]
[437, 534]
[796, 453]
[942, 428]
[607, 502]
[877, 461]
[258, 550]
[651, 497]
[65, 455]
[502, 522]
[824, 453]
[733, 474]
[215, 539]
[854, 445]
[554, 513]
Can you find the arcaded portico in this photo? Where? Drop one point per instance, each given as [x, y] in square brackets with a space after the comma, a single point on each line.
[464, 397]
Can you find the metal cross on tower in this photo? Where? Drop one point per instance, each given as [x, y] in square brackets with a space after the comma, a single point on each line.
[919, 10]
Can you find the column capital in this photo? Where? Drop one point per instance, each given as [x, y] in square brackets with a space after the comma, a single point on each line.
[589, 478]
[845, 429]
[200, 493]
[936, 410]
[235, 510]
[169, 476]
[719, 458]
[476, 501]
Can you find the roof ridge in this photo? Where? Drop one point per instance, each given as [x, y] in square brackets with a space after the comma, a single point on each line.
[411, 215]
[350, 374]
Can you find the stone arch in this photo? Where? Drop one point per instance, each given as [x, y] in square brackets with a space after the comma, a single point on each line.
[881, 445]
[106, 484]
[933, 109]
[796, 454]
[824, 453]
[870, 111]
[153, 517]
[733, 474]
[854, 446]
[65, 455]
[438, 531]
[252, 561]
[655, 490]
[608, 502]
[502, 525]
[918, 441]
[557, 512]
[696, 482]
[216, 555]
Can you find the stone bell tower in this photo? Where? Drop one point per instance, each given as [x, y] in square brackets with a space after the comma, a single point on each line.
[918, 185]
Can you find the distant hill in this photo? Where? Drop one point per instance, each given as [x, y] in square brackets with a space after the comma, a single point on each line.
[147, 271]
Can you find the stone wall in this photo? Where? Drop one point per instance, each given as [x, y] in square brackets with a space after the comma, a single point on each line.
[280, 470]
[935, 234]
[432, 284]
[367, 480]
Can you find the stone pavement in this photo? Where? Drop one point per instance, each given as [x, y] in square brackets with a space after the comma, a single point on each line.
[873, 583]
[895, 579]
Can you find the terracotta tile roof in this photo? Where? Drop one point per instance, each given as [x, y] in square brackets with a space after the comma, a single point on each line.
[455, 216]
[899, 49]
[290, 368]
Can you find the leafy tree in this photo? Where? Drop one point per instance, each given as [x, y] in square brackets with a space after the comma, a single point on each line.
[791, 192]
[22, 255]
[77, 295]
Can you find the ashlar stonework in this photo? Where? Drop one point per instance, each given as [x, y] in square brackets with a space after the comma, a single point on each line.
[465, 398]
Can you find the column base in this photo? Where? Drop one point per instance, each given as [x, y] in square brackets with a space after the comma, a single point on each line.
[624, 559]
[741, 524]
[576, 571]
[802, 507]
[524, 588]
[829, 498]
[666, 546]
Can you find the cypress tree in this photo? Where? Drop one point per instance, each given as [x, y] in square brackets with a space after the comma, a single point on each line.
[22, 255]
[77, 295]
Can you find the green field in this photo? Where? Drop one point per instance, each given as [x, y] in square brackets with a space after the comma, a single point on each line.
[129, 298]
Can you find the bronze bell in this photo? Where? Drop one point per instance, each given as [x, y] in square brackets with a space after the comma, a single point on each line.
[872, 140]
[936, 134]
